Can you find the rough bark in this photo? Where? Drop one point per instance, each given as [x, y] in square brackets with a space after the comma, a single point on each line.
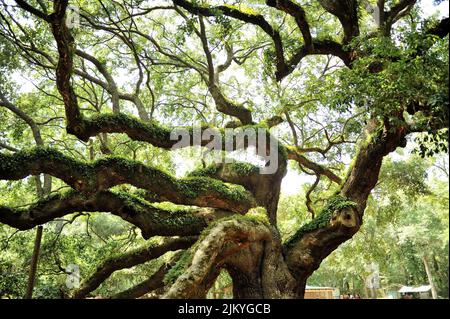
[342, 218]
[202, 263]
[248, 244]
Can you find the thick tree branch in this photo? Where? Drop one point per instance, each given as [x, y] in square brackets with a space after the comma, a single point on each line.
[155, 281]
[347, 13]
[381, 139]
[342, 217]
[108, 172]
[27, 7]
[150, 219]
[296, 11]
[46, 188]
[320, 47]
[265, 188]
[204, 259]
[128, 260]
[314, 241]
[66, 50]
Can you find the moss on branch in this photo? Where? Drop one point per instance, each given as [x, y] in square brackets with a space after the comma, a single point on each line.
[242, 9]
[240, 168]
[179, 268]
[136, 128]
[151, 219]
[255, 217]
[111, 171]
[335, 203]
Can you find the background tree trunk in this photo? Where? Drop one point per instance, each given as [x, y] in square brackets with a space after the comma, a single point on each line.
[41, 191]
[430, 277]
[34, 263]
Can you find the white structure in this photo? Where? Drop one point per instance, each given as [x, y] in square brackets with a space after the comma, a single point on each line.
[423, 291]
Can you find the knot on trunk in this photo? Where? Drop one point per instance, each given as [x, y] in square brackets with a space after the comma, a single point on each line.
[347, 217]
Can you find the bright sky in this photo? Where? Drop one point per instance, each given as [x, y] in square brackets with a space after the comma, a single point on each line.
[429, 8]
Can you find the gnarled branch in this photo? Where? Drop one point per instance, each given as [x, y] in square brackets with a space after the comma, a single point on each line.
[154, 282]
[129, 260]
[150, 219]
[204, 259]
[108, 172]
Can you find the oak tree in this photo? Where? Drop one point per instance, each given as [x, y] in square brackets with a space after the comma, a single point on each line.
[337, 88]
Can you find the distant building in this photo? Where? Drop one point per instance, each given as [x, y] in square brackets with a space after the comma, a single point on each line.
[421, 292]
[314, 292]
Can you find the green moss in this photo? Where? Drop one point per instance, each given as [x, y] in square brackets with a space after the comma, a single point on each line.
[208, 171]
[373, 136]
[152, 129]
[350, 167]
[244, 9]
[117, 161]
[195, 186]
[186, 258]
[335, 203]
[239, 168]
[174, 208]
[368, 139]
[191, 187]
[131, 200]
[17, 161]
[282, 151]
[258, 215]
[234, 192]
[164, 215]
[117, 255]
[179, 268]
[243, 169]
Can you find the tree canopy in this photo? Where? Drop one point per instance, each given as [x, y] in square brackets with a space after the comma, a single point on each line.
[95, 97]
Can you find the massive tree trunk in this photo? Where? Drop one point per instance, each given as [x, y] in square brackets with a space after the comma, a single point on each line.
[269, 268]
[232, 222]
